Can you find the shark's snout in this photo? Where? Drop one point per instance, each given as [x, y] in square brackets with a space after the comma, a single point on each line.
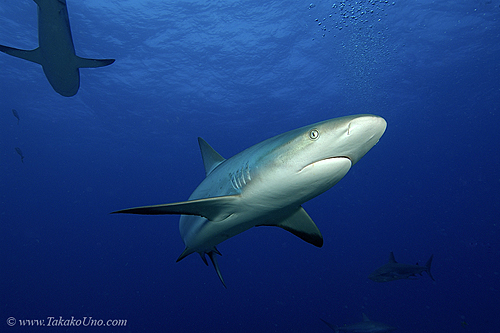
[363, 133]
[370, 126]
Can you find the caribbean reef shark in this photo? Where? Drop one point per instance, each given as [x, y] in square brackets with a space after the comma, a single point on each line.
[366, 326]
[16, 114]
[396, 271]
[19, 151]
[55, 51]
[266, 184]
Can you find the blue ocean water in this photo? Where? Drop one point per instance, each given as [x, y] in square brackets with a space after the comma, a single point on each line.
[236, 73]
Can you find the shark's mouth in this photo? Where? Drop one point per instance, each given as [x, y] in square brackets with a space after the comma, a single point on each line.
[327, 162]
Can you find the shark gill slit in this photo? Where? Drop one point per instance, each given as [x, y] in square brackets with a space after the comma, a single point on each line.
[241, 177]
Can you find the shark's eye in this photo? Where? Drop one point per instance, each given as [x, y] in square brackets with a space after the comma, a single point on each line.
[314, 134]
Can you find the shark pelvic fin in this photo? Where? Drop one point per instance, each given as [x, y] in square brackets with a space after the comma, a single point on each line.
[215, 209]
[187, 251]
[202, 255]
[30, 55]
[211, 158]
[301, 225]
[213, 258]
[211, 254]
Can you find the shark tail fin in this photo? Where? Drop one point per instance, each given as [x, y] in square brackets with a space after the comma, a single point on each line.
[333, 327]
[213, 258]
[93, 63]
[428, 267]
[30, 55]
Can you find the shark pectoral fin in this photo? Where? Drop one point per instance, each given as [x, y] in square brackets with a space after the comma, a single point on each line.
[92, 63]
[30, 55]
[215, 209]
[301, 225]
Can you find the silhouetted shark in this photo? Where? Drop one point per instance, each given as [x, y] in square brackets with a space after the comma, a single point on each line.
[14, 112]
[266, 184]
[20, 153]
[366, 326]
[55, 51]
[396, 271]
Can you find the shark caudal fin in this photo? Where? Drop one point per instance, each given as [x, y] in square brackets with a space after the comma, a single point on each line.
[428, 267]
[30, 55]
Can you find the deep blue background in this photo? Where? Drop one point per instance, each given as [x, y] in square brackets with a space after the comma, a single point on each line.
[236, 73]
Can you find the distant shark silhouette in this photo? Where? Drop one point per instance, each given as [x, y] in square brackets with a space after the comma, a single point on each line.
[55, 51]
[396, 271]
[19, 151]
[14, 112]
[266, 184]
[366, 326]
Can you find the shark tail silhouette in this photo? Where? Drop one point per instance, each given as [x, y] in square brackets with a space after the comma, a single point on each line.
[428, 267]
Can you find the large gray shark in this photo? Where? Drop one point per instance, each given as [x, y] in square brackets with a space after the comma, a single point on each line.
[266, 184]
[366, 326]
[55, 51]
[396, 271]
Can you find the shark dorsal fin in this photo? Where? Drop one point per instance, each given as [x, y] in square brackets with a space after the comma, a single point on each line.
[301, 225]
[365, 317]
[391, 258]
[211, 158]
